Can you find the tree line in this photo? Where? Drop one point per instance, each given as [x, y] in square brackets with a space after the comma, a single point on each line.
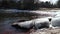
[27, 6]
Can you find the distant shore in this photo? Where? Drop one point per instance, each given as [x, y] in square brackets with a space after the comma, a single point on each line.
[49, 9]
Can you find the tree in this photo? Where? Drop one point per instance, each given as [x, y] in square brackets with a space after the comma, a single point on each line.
[45, 5]
[18, 5]
[58, 3]
[8, 4]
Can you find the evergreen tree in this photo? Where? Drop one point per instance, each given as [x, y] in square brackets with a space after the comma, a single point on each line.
[58, 3]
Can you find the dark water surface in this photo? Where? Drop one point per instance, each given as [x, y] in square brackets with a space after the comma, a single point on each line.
[6, 28]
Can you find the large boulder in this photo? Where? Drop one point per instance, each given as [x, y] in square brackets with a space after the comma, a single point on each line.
[56, 22]
[35, 23]
[41, 23]
[23, 25]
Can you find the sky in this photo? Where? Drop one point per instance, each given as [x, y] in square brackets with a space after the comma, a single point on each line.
[52, 1]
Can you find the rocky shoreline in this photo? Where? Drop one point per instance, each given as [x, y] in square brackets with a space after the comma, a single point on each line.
[47, 31]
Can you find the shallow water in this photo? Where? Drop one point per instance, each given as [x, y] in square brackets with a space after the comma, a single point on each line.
[6, 28]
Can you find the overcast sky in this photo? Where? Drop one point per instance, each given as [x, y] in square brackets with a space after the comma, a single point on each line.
[52, 1]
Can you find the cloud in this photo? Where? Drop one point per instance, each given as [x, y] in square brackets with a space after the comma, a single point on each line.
[53, 1]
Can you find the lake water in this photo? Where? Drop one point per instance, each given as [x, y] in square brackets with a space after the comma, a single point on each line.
[6, 28]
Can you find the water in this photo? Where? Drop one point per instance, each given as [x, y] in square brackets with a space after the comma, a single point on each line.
[6, 28]
[5, 23]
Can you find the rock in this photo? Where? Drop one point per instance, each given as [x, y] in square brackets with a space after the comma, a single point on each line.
[47, 31]
[56, 22]
[36, 23]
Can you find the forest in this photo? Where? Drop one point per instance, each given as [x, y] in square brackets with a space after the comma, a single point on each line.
[27, 5]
